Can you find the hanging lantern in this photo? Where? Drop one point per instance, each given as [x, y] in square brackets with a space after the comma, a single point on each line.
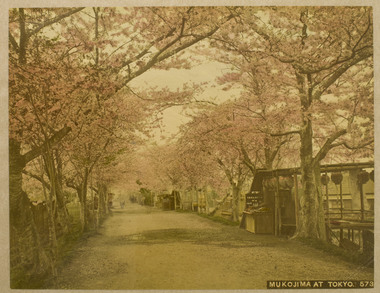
[372, 175]
[363, 177]
[337, 177]
[325, 179]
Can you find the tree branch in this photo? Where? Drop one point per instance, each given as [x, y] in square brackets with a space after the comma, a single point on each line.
[328, 145]
[146, 49]
[323, 85]
[94, 189]
[56, 138]
[164, 53]
[53, 20]
[98, 156]
[14, 43]
[39, 178]
[247, 160]
[72, 185]
[277, 149]
[226, 171]
[285, 133]
[345, 144]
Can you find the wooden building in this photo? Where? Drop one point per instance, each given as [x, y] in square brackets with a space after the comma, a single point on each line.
[348, 193]
[165, 201]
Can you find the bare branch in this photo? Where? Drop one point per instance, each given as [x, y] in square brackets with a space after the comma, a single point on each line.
[364, 33]
[247, 160]
[72, 185]
[99, 156]
[165, 53]
[328, 145]
[285, 133]
[146, 49]
[13, 43]
[323, 85]
[226, 171]
[39, 178]
[277, 149]
[54, 20]
[360, 146]
[94, 189]
[56, 138]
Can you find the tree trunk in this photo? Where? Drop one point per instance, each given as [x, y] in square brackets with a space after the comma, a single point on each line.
[82, 195]
[218, 205]
[26, 253]
[53, 246]
[51, 200]
[83, 211]
[311, 213]
[354, 189]
[236, 188]
[27, 257]
[63, 214]
[103, 210]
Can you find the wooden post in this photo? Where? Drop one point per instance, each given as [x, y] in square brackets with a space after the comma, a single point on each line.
[296, 197]
[199, 202]
[206, 203]
[192, 192]
[275, 213]
[278, 207]
[328, 207]
[341, 199]
[361, 200]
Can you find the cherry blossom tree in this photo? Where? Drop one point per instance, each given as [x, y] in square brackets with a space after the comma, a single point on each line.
[25, 28]
[324, 56]
[63, 59]
[211, 133]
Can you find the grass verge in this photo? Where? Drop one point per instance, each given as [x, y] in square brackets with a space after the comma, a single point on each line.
[348, 255]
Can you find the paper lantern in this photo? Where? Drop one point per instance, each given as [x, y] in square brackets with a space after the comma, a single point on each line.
[325, 179]
[337, 177]
[363, 177]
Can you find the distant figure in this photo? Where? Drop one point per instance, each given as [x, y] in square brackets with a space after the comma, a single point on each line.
[122, 204]
[132, 199]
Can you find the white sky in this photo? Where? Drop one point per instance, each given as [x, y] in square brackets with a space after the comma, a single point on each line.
[175, 78]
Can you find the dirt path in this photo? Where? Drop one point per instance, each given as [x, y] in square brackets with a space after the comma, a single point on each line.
[144, 248]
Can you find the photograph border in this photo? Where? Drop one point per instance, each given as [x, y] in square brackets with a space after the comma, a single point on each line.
[7, 4]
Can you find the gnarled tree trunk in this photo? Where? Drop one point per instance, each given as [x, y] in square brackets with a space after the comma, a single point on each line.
[311, 213]
[236, 189]
[27, 256]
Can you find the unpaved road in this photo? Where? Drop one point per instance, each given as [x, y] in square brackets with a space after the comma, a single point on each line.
[145, 248]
